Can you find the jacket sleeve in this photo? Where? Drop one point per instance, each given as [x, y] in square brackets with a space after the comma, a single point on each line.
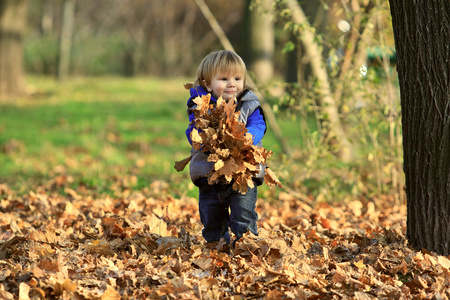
[256, 126]
[195, 92]
[190, 127]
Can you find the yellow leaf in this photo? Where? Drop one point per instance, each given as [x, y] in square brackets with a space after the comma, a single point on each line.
[249, 166]
[24, 290]
[359, 264]
[218, 165]
[444, 262]
[213, 158]
[111, 293]
[196, 139]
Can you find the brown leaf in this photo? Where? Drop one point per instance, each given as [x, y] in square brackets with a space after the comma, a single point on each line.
[271, 179]
[101, 248]
[37, 272]
[204, 263]
[111, 293]
[180, 165]
[49, 265]
[273, 295]
[362, 296]
[6, 295]
[339, 276]
[168, 243]
[37, 292]
[66, 285]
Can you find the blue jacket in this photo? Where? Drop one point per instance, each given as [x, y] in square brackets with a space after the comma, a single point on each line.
[251, 115]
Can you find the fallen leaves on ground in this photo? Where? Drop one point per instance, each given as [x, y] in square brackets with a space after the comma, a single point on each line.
[219, 133]
[148, 244]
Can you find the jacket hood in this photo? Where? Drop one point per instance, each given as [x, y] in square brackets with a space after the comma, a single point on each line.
[248, 95]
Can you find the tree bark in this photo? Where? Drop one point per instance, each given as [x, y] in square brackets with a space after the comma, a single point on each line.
[422, 35]
[12, 28]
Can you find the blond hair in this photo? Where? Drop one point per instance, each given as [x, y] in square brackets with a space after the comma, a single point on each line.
[222, 61]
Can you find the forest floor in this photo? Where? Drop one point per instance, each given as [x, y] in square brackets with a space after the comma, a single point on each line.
[147, 244]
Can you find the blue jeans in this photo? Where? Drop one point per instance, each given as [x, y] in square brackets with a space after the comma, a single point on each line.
[221, 207]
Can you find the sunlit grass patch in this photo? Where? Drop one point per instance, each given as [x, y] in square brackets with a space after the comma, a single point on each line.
[93, 127]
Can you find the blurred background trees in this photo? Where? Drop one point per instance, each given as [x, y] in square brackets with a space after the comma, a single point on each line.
[128, 37]
[12, 29]
[328, 66]
[132, 37]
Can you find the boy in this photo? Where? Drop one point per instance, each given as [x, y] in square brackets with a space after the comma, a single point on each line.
[223, 73]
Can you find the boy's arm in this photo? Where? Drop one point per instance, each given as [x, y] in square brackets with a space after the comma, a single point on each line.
[256, 126]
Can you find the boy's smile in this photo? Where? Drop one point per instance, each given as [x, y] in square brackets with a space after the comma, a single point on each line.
[226, 85]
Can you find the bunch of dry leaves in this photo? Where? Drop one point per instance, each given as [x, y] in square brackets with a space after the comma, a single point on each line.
[218, 132]
[147, 245]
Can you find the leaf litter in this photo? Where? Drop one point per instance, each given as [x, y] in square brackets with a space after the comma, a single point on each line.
[148, 245]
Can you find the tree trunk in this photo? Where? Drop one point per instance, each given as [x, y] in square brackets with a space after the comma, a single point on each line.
[422, 35]
[317, 17]
[65, 42]
[47, 17]
[262, 41]
[12, 28]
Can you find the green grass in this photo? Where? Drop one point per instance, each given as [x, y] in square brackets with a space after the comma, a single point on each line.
[97, 130]
[108, 133]
[96, 127]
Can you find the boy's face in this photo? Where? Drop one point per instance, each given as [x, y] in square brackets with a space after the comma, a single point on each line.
[226, 85]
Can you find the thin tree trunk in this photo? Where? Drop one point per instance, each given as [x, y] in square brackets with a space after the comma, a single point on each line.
[351, 48]
[227, 45]
[168, 39]
[187, 38]
[12, 28]
[422, 35]
[47, 17]
[65, 42]
[332, 126]
[317, 15]
[262, 41]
